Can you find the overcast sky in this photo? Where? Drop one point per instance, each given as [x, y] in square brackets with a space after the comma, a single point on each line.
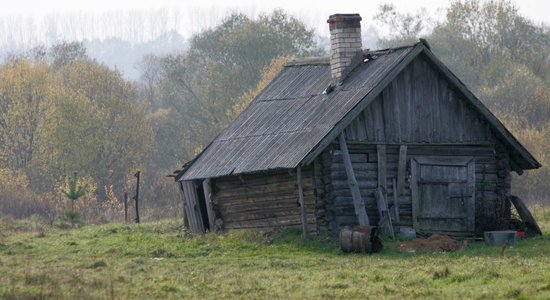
[312, 12]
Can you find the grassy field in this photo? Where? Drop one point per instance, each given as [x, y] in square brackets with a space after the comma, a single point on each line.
[159, 260]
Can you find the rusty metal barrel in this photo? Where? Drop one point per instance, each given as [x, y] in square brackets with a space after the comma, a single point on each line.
[360, 239]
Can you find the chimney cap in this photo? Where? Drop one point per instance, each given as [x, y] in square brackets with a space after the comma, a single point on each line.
[344, 21]
[347, 18]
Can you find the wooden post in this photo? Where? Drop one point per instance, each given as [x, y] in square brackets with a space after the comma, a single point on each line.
[302, 202]
[136, 198]
[383, 212]
[382, 171]
[358, 202]
[206, 185]
[401, 169]
[395, 201]
[126, 207]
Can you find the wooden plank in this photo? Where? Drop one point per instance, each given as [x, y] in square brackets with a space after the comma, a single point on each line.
[207, 187]
[264, 214]
[192, 209]
[383, 213]
[337, 130]
[525, 215]
[395, 201]
[479, 107]
[382, 171]
[444, 160]
[401, 169]
[302, 202]
[183, 202]
[352, 182]
[414, 193]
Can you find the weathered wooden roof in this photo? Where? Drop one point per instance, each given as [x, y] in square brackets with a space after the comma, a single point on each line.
[292, 120]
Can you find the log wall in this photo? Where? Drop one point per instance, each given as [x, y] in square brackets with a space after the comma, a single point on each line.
[419, 109]
[489, 205]
[265, 201]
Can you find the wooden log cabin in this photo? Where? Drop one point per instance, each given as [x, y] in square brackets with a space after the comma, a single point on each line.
[327, 135]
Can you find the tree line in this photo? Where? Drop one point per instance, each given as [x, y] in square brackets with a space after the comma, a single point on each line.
[504, 59]
[61, 111]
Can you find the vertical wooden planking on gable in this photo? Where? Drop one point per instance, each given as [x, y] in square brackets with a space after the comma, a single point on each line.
[394, 109]
[442, 113]
[378, 114]
[409, 101]
[451, 137]
[369, 124]
[417, 101]
[388, 118]
[436, 118]
[428, 103]
[361, 128]
[460, 113]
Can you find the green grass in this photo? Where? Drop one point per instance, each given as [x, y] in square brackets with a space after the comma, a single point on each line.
[160, 260]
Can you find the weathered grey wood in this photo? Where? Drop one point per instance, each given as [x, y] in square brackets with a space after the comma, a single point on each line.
[385, 224]
[482, 109]
[525, 215]
[266, 201]
[471, 191]
[395, 201]
[401, 169]
[362, 105]
[207, 188]
[192, 210]
[414, 193]
[443, 195]
[382, 171]
[357, 200]
[183, 205]
[302, 202]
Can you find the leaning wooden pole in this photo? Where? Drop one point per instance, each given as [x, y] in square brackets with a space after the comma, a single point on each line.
[358, 202]
[125, 207]
[302, 202]
[136, 198]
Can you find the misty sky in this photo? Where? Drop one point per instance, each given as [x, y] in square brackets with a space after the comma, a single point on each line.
[312, 12]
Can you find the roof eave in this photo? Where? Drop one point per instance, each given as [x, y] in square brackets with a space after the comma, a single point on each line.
[419, 48]
[531, 161]
[361, 105]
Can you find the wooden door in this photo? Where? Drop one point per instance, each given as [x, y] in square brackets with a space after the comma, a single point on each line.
[193, 216]
[443, 194]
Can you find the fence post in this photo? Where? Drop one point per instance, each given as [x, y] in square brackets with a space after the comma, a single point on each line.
[136, 198]
[126, 207]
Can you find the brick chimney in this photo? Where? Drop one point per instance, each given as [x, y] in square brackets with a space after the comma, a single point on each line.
[345, 44]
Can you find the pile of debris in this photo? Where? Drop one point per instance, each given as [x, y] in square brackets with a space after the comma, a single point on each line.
[434, 243]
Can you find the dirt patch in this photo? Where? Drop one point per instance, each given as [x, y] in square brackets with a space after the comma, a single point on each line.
[435, 243]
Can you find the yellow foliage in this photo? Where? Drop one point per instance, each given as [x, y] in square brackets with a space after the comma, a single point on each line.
[26, 91]
[268, 74]
[112, 209]
[533, 184]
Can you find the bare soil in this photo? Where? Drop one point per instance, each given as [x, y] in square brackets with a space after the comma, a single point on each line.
[434, 243]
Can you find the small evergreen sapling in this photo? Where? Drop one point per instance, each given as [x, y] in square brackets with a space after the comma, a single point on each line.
[74, 193]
